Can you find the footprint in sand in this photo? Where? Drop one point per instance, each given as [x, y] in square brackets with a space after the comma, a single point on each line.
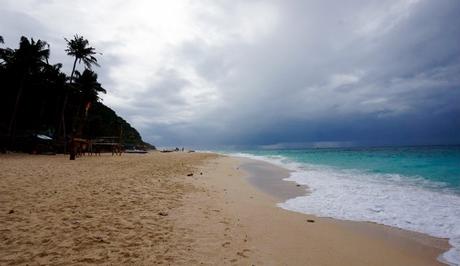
[243, 253]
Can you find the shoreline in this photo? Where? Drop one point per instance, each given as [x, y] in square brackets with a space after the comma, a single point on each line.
[398, 236]
[408, 243]
[268, 178]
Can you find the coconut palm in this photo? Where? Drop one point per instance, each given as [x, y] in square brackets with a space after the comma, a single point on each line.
[88, 85]
[89, 89]
[29, 58]
[54, 83]
[6, 54]
[79, 48]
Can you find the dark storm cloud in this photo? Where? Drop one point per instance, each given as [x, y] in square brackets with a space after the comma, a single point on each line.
[393, 85]
[276, 73]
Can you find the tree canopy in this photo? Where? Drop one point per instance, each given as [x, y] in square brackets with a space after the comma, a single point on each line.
[35, 95]
[79, 48]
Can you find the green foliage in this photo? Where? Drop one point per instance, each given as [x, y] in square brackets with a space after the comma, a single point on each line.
[88, 86]
[103, 121]
[35, 95]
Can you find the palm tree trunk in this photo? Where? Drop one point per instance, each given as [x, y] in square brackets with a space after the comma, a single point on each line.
[77, 119]
[73, 70]
[81, 124]
[64, 105]
[12, 125]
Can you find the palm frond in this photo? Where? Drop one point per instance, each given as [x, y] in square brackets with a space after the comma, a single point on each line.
[79, 48]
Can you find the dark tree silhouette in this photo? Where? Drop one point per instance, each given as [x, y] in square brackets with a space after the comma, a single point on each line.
[79, 48]
[89, 89]
[29, 58]
[54, 82]
[88, 86]
[32, 94]
[6, 56]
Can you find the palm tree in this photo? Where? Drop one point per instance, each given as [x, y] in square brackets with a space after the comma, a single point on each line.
[29, 58]
[6, 54]
[79, 48]
[88, 86]
[89, 89]
[54, 83]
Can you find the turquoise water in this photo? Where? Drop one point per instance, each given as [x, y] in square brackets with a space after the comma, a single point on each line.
[413, 188]
[439, 164]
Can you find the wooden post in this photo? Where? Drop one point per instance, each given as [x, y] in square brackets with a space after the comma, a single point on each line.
[72, 149]
[120, 139]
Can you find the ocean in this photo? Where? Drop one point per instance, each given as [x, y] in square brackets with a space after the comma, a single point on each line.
[413, 188]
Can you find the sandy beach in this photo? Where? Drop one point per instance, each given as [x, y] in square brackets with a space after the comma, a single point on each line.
[149, 209]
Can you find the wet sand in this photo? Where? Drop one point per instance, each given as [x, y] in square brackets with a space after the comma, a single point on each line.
[268, 178]
[263, 234]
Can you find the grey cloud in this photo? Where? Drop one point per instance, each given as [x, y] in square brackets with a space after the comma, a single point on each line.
[14, 24]
[409, 73]
[326, 73]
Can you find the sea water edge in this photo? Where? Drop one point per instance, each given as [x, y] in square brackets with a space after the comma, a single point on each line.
[389, 185]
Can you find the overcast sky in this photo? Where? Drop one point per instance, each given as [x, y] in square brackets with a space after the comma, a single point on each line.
[268, 73]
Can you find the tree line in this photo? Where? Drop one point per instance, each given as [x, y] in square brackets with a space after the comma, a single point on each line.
[38, 98]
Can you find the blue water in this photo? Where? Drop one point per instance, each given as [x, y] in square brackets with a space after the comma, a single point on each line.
[413, 188]
[439, 164]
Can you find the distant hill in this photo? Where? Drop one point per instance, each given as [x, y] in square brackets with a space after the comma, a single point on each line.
[103, 121]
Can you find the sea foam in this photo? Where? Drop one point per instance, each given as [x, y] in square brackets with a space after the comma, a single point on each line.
[408, 203]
